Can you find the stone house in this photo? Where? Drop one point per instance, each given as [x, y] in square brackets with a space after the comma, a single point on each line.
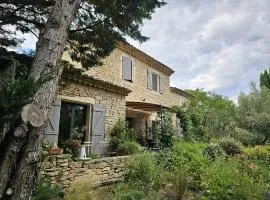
[129, 85]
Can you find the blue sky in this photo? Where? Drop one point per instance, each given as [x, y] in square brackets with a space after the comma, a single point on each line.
[219, 45]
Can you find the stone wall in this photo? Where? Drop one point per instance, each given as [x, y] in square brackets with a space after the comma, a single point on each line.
[61, 169]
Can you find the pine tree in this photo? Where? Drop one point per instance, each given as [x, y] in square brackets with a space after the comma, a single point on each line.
[265, 79]
[88, 30]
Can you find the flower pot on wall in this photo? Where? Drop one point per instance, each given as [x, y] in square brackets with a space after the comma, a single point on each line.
[56, 151]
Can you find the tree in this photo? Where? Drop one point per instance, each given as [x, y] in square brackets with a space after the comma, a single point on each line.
[89, 30]
[207, 115]
[265, 79]
[253, 111]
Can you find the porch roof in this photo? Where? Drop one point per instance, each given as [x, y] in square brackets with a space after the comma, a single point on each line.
[143, 106]
[76, 75]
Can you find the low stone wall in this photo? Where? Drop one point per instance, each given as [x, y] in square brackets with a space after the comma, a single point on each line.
[62, 169]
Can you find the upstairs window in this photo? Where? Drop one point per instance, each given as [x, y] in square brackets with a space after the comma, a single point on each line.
[127, 68]
[155, 82]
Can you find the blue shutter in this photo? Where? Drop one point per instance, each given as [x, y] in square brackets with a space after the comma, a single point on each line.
[149, 80]
[98, 129]
[52, 127]
[127, 68]
[161, 84]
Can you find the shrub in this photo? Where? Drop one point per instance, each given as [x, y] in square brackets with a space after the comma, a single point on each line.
[129, 191]
[230, 146]
[166, 158]
[143, 169]
[246, 137]
[81, 190]
[258, 152]
[212, 151]
[47, 191]
[228, 179]
[181, 182]
[164, 129]
[189, 157]
[121, 133]
[128, 148]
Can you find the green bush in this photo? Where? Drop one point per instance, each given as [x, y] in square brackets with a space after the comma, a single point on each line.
[181, 181]
[258, 153]
[128, 148]
[143, 169]
[166, 158]
[129, 191]
[47, 191]
[189, 157]
[228, 179]
[230, 146]
[212, 151]
[246, 137]
[121, 133]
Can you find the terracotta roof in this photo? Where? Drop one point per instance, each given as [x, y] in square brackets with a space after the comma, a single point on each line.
[77, 76]
[140, 55]
[181, 92]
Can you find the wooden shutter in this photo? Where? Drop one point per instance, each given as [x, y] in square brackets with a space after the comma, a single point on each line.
[149, 80]
[52, 127]
[127, 68]
[179, 129]
[161, 84]
[98, 129]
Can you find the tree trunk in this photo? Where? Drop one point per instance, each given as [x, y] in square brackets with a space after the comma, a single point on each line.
[22, 153]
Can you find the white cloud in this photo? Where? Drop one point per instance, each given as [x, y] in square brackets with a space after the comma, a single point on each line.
[217, 45]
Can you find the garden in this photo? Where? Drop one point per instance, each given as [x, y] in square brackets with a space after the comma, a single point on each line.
[224, 153]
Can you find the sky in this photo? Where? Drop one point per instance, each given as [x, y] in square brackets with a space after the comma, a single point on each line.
[218, 45]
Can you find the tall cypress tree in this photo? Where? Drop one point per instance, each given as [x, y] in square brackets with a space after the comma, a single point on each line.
[265, 78]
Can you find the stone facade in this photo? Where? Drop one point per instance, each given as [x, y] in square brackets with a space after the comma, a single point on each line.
[62, 170]
[115, 103]
[111, 71]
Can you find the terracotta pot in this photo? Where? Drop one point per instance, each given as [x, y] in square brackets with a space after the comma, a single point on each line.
[56, 151]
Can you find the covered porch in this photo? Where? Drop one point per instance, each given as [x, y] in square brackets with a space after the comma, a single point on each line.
[141, 117]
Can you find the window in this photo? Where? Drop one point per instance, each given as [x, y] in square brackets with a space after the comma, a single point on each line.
[72, 122]
[155, 82]
[127, 68]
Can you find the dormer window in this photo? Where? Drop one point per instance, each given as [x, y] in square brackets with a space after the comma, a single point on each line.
[127, 68]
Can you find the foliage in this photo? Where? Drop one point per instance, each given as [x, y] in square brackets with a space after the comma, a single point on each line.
[143, 169]
[255, 108]
[247, 137]
[164, 130]
[191, 175]
[207, 115]
[229, 179]
[129, 191]
[258, 152]
[189, 157]
[123, 139]
[16, 88]
[166, 158]
[97, 26]
[128, 148]
[46, 146]
[81, 190]
[265, 79]
[212, 151]
[230, 146]
[47, 191]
